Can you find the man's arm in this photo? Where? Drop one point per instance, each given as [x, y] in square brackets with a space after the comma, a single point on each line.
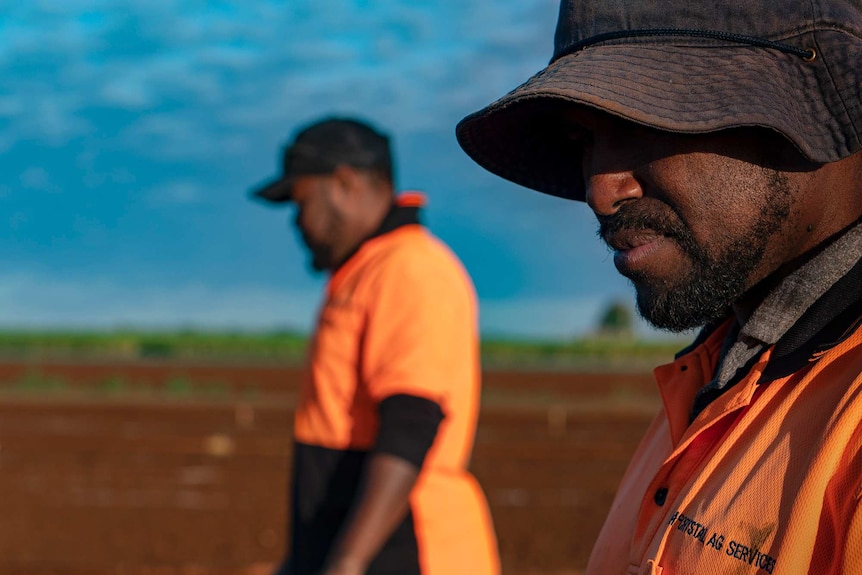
[408, 426]
[382, 506]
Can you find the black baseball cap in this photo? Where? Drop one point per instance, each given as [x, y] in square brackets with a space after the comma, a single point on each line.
[321, 147]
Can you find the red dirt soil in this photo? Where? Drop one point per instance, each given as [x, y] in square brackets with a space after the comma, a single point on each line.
[190, 484]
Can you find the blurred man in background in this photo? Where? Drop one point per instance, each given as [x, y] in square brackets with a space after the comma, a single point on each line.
[718, 144]
[386, 418]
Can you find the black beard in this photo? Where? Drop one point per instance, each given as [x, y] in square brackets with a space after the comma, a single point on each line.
[319, 265]
[321, 255]
[321, 259]
[705, 295]
[714, 282]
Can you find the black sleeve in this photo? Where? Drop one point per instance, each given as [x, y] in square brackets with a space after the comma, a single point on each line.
[408, 426]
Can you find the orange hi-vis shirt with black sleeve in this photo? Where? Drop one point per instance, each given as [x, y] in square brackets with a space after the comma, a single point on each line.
[767, 478]
[396, 343]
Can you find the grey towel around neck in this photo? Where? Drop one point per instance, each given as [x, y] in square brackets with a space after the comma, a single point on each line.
[786, 303]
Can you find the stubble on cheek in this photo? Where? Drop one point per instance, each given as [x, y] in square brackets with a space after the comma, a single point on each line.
[722, 268]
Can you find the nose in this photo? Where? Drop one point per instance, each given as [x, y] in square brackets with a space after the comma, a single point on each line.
[607, 191]
[608, 177]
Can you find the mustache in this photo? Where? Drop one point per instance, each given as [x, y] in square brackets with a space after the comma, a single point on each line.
[640, 216]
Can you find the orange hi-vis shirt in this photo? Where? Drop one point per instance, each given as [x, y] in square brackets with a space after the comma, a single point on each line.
[767, 478]
[400, 319]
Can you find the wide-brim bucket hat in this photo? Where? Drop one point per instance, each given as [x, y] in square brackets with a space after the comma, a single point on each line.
[792, 66]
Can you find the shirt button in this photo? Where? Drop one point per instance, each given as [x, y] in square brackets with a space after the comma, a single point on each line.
[660, 496]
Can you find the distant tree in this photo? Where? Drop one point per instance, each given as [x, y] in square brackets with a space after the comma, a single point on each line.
[617, 320]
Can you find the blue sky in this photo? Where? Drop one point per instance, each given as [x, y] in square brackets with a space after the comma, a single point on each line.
[132, 132]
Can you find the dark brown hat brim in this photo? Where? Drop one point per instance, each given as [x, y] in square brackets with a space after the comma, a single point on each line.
[678, 88]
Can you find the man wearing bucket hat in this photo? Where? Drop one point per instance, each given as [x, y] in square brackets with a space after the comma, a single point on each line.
[387, 414]
[719, 146]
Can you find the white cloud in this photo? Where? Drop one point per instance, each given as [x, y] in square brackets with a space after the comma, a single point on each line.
[189, 89]
[174, 136]
[18, 220]
[130, 92]
[10, 106]
[177, 193]
[51, 119]
[255, 67]
[37, 179]
[37, 301]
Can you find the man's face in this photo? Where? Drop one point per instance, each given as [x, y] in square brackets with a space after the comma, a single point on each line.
[694, 220]
[318, 218]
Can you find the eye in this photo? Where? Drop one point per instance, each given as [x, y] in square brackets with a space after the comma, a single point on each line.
[577, 135]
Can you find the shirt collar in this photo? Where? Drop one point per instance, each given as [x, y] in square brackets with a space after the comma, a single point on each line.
[405, 210]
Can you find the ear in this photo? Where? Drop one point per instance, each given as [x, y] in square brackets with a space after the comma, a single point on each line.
[348, 181]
